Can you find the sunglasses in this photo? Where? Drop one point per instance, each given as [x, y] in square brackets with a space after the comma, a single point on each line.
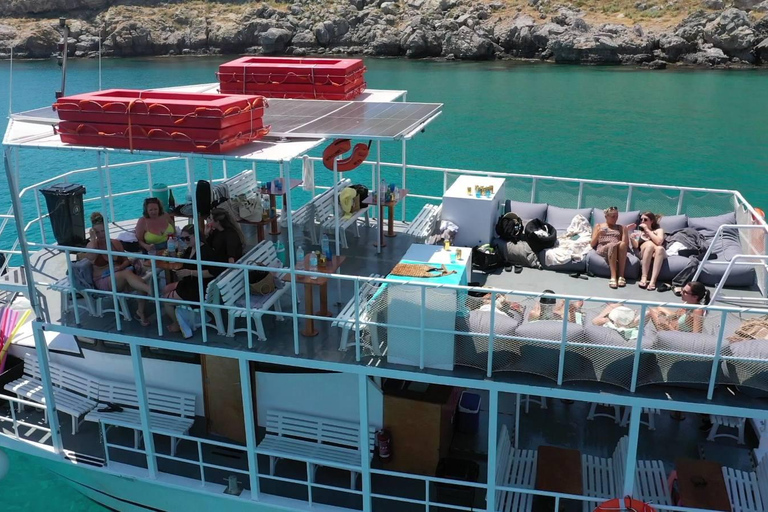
[185, 238]
[645, 219]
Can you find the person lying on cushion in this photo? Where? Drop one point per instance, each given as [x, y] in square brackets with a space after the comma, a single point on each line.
[683, 320]
[548, 308]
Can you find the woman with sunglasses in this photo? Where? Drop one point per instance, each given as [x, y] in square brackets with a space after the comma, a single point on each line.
[154, 226]
[609, 240]
[683, 319]
[187, 287]
[649, 242]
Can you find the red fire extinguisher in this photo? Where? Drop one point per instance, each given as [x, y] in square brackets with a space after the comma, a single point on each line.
[384, 442]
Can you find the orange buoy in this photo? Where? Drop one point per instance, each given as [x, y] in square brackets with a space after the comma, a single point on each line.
[626, 504]
[340, 146]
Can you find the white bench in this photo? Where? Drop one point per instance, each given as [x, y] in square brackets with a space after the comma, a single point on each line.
[240, 184]
[325, 213]
[603, 478]
[171, 413]
[748, 491]
[306, 216]
[346, 320]
[616, 416]
[314, 440]
[514, 468]
[231, 286]
[651, 412]
[75, 393]
[94, 299]
[425, 221]
[729, 422]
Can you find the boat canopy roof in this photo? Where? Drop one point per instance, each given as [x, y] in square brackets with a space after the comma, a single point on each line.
[298, 126]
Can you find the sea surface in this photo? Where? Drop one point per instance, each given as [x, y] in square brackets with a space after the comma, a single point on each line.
[680, 127]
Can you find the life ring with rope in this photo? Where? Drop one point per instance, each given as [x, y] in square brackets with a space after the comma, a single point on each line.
[625, 504]
[340, 146]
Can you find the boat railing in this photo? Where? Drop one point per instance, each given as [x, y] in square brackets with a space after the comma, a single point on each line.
[16, 423]
[704, 348]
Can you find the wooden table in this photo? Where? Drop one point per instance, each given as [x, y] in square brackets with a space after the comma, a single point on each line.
[557, 470]
[374, 200]
[321, 282]
[168, 266]
[275, 229]
[701, 484]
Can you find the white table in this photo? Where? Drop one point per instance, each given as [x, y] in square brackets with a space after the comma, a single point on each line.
[475, 216]
[404, 308]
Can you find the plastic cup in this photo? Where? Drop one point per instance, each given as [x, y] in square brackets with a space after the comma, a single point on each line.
[453, 256]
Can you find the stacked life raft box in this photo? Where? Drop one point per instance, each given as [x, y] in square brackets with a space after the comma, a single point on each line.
[293, 77]
[161, 120]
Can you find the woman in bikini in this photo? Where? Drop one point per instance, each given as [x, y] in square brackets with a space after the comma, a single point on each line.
[650, 244]
[610, 241]
[154, 227]
[683, 320]
[125, 277]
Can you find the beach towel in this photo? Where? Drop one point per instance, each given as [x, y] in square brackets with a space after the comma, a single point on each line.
[573, 245]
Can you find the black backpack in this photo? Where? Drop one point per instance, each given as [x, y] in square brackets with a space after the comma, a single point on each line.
[362, 194]
[510, 227]
[539, 242]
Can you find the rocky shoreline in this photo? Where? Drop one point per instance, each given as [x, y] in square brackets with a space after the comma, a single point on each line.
[715, 36]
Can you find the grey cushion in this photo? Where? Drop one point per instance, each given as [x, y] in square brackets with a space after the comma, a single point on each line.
[750, 349]
[598, 266]
[561, 218]
[671, 223]
[687, 342]
[707, 226]
[672, 266]
[550, 330]
[570, 266]
[526, 211]
[624, 217]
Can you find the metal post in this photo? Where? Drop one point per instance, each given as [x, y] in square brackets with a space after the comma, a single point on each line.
[250, 429]
[638, 349]
[45, 376]
[357, 321]
[18, 215]
[716, 359]
[108, 245]
[581, 194]
[533, 190]
[630, 470]
[629, 198]
[491, 336]
[680, 202]
[335, 206]
[39, 216]
[493, 428]
[422, 321]
[379, 201]
[292, 260]
[564, 337]
[141, 394]
[109, 188]
[517, 420]
[365, 448]
[403, 181]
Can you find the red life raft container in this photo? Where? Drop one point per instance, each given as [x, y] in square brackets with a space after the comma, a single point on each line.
[626, 504]
[293, 77]
[162, 120]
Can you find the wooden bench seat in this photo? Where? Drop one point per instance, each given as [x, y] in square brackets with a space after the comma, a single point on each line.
[314, 440]
[75, 394]
[423, 225]
[514, 468]
[346, 319]
[231, 287]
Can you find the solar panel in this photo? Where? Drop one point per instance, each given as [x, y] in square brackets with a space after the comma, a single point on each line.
[327, 119]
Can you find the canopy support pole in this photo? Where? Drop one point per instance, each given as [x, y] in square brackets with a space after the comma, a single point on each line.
[379, 197]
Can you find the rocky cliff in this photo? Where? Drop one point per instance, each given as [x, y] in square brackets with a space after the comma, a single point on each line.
[715, 35]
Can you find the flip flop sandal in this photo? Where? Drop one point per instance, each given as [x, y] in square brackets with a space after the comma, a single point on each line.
[678, 291]
[622, 282]
[663, 287]
[508, 268]
[518, 269]
[643, 283]
[651, 287]
[612, 284]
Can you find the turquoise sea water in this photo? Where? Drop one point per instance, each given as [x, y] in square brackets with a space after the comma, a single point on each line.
[695, 128]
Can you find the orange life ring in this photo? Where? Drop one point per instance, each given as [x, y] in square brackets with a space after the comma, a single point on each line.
[626, 504]
[340, 146]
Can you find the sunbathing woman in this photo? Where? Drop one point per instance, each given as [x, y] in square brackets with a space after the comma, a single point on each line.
[125, 277]
[610, 241]
[650, 244]
[154, 227]
[684, 320]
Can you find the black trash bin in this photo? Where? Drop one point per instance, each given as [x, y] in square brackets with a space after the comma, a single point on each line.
[65, 208]
[455, 469]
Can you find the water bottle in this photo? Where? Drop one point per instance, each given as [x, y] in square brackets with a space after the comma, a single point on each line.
[325, 246]
[313, 261]
[280, 250]
[299, 256]
[171, 245]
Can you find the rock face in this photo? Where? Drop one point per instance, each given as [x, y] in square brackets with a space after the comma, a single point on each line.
[451, 29]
